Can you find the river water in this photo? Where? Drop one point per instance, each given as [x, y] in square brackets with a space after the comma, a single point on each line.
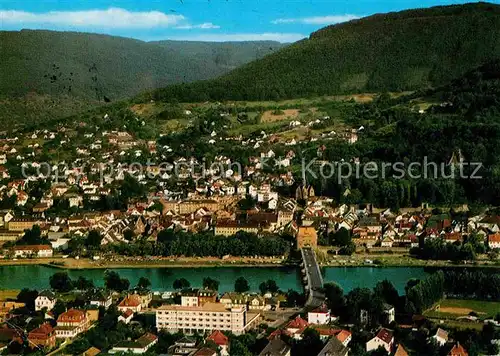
[37, 277]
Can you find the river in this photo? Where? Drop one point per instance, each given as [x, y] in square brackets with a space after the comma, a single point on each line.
[37, 277]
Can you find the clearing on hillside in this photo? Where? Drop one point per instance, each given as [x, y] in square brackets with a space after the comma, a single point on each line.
[279, 115]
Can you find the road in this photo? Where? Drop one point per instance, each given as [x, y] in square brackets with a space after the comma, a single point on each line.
[316, 296]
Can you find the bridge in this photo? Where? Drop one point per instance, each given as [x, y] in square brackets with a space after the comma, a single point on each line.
[313, 279]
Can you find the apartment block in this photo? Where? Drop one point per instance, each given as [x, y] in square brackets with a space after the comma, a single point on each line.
[208, 317]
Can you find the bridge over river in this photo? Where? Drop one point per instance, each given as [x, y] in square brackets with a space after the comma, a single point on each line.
[313, 279]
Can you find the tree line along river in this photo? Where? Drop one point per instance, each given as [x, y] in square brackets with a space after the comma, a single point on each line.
[37, 276]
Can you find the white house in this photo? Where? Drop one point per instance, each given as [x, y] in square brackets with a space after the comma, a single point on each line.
[320, 315]
[384, 338]
[46, 299]
[33, 250]
[441, 337]
[101, 299]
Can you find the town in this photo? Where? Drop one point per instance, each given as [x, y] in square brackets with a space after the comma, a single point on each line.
[100, 198]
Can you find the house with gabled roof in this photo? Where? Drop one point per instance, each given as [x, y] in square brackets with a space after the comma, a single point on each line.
[221, 340]
[139, 346]
[458, 350]
[384, 338]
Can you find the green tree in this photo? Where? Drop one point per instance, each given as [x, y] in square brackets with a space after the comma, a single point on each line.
[268, 286]
[83, 283]
[28, 296]
[61, 282]
[342, 237]
[181, 283]
[210, 283]
[94, 239]
[113, 281]
[143, 283]
[334, 298]
[241, 285]
[386, 290]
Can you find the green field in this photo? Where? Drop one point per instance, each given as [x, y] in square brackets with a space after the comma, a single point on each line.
[451, 309]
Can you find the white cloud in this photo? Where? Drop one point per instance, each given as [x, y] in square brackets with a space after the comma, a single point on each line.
[317, 20]
[116, 18]
[203, 26]
[224, 37]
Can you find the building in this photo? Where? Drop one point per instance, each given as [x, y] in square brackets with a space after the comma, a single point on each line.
[458, 350]
[334, 348]
[389, 312]
[139, 346]
[234, 299]
[206, 296]
[126, 317]
[384, 338]
[221, 340]
[307, 236]
[320, 315]
[72, 323]
[296, 326]
[46, 299]
[211, 316]
[101, 298]
[9, 236]
[494, 241]
[189, 298]
[441, 337]
[183, 347]
[43, 336]
[231, 227]
[6, 307]
[21, 224]
[191, 206]
[132, 302]
[39, 251]
[400, 351]
[276, 347]
[92, 351]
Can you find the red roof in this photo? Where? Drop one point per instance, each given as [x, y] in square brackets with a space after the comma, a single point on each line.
[323, 309]
[205, 352]
[277, 334]
[42, 332]
[343, 335]
[297, 323]
[385, 335]
[128, 313]
[71, 316]
[494, 237]
[219, 338]
[458, 350]
[32, 247]
[131, 300]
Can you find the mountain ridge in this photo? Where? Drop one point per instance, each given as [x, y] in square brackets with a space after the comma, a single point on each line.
[406, 50]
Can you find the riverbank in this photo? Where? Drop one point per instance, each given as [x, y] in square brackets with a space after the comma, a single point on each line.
[86, 263]
[357, 260]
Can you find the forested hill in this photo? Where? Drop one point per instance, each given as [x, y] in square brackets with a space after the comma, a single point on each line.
[79, 64]
[226, 55]
[387, 52]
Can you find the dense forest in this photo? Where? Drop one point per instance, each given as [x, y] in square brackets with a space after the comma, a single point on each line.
[60, 73]
[391, 52]
[466, 123]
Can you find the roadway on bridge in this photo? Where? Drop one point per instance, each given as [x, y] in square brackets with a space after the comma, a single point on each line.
[314, 276]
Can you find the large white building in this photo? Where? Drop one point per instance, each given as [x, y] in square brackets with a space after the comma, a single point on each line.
[46, 299]
[210, 316]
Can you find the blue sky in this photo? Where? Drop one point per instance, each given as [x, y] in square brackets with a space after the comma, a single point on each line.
[211, 20]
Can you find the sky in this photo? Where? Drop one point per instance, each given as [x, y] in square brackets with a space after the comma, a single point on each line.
[203, 20]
